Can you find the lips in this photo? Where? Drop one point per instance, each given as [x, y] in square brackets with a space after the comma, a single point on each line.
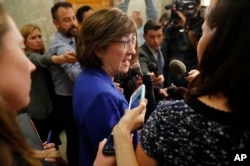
[126, 62]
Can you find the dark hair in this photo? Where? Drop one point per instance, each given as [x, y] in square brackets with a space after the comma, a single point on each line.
[224, 66]
[80, 11]
[152, 25]
[4, 27]
[100, 29]
[57, 6]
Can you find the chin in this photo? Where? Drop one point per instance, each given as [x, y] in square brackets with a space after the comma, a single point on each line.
[125, 70]
[25, 103]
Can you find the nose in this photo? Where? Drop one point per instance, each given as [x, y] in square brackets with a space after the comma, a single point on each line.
[39, 40]
[73, 21]
[156, 40]
[131, 48]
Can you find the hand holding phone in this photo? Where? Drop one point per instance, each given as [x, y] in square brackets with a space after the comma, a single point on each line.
[136, 97]
[109, 147]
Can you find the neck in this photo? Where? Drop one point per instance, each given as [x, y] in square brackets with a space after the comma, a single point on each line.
[217, 101]
[109, 73]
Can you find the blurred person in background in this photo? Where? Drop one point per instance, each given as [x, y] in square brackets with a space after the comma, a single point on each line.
[82, 13]
[41, 106]
[64, 76]
[15, 85]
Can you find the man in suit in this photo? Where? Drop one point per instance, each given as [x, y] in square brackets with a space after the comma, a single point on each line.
[152, 57]
[153, 51]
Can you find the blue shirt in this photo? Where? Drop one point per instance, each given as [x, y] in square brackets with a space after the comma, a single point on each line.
[98, 105]
[63, 75]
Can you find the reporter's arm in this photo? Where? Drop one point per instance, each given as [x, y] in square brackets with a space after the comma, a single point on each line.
[143, 159]
[67, 57]
[124, 151]
[133, 119]
[125, 154]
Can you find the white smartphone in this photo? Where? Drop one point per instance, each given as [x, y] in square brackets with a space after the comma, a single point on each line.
[138, 94]
[136, 97]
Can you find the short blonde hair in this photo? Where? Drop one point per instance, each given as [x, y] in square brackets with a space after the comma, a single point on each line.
[26, 30]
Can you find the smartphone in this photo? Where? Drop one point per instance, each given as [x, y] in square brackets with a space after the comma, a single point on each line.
[136, 97]
[139, 94]
[109, 147]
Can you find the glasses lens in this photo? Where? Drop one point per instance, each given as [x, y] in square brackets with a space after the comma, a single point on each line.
[127, 42]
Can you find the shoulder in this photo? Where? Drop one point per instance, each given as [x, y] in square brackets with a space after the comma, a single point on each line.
[170, 111]
[60, 44]
[144, 50]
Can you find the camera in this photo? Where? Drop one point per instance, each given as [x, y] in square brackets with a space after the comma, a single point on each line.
[187, 7]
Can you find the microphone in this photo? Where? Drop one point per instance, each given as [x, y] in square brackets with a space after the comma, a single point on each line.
[178, 67]
[179, 92]
[148, 82]
[176, 92]
[136, 69]
[153, 68]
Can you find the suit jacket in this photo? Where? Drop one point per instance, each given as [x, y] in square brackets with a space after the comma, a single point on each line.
[146, 56]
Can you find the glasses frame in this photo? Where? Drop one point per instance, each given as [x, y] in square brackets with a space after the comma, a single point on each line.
[125, 43]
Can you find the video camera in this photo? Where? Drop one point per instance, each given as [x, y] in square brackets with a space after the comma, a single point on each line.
[187, 7]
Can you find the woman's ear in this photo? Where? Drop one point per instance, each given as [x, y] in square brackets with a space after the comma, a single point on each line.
[99, 52]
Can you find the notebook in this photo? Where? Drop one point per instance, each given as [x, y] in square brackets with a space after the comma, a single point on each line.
[29, 131]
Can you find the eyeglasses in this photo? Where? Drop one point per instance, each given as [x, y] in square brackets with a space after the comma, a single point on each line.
[125, 43]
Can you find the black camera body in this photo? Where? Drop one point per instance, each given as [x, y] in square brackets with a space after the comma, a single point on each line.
[187, 7]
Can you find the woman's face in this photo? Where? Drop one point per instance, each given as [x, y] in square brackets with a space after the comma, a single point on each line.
[15, 69]
[34, 41]
[116, 58]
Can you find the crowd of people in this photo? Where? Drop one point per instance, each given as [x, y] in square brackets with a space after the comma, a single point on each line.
[82, 82]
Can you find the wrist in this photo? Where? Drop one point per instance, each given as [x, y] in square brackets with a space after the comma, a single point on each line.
[121, 128]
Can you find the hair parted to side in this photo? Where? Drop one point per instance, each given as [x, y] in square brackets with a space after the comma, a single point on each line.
[26, 30]
[224, 66]
[99, 30]
[151, 25]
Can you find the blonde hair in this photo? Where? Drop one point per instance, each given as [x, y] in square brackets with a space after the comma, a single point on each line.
[26, 30]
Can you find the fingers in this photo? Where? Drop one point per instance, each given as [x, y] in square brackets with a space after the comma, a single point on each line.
[102, 160]
[118, 86]
[51, 154]
[142, 106]
[102, 143]
[135, 117]
[48, 145]
[70, 52]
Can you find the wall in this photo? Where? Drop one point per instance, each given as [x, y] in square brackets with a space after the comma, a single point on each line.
[140, 5]
[32, 11]
[38, 12]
